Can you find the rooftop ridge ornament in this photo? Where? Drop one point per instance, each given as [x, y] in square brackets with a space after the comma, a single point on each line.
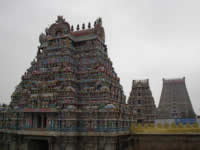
[59, 28]
[77, 28]
[72, 28]
[89, 25]
[60, 19]
[99, 21]
[83, 26]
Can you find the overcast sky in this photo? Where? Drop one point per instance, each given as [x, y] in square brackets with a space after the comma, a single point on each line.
[152, 39]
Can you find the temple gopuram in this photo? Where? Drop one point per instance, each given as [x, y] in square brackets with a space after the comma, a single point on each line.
[142, 102]
[175, 101]
[70, 98]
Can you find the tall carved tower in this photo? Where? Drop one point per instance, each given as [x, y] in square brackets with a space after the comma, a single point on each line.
[71, 87]
[174, 100]
[141, 101]
[71, 68]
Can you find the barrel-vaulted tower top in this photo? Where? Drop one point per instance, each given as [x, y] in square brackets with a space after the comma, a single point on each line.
[140, 83]
[174, 100]
[61, 28]
[174, 80]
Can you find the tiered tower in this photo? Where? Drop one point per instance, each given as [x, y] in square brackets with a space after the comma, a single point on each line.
[141, 102]
[71, 86]
[174, 100]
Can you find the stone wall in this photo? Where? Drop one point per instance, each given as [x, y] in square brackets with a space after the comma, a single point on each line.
[27, 142]
[131, 142]
[164, 142]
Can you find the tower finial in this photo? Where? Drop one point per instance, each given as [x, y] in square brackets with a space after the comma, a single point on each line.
[72, 28]
[60, 19]
[83, 26]
[89, 25]
[95, 23]
[98, 22]
[77, 28]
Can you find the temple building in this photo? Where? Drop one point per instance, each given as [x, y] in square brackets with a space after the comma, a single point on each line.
[142, 102]
[70, 94]
[175, 101]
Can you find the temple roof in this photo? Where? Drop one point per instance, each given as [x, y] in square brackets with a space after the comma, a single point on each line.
[174, 80]
[82, 32]
[62, 28]
[140, 83]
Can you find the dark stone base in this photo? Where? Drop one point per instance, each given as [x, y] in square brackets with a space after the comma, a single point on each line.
[23, 142]
[134, 142]
[164, 142]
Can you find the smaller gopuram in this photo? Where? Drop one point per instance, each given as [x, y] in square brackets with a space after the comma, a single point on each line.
[141, 102]
[175, 101]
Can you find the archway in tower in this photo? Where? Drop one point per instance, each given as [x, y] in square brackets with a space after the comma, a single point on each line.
[38, 145]
[39, 121]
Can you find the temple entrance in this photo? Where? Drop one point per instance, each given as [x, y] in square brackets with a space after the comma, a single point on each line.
[139, 121]
[39, 121]
[45, 122]
[38, 145]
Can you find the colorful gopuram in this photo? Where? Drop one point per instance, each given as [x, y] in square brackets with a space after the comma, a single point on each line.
[175, 101]
[142, 102]
[71, 87]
